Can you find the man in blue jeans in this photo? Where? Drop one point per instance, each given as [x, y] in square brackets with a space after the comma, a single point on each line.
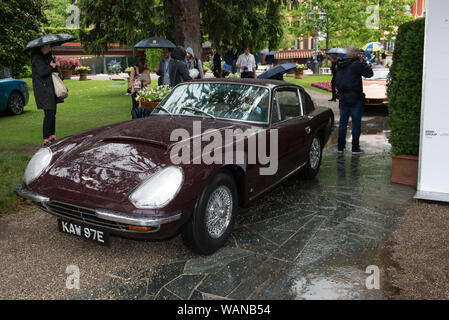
[349, 84]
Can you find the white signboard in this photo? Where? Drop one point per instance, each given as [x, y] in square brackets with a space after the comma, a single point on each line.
[433, 178]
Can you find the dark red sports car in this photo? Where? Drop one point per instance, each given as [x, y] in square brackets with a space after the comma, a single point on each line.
[209, 147]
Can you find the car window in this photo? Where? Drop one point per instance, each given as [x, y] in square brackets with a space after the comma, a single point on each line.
[220, 100]
[287, 105]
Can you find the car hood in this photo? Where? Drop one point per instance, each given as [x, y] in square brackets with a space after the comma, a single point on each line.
[115, 160]
[375, 89]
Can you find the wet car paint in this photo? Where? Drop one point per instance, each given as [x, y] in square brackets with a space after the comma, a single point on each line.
[101, 168]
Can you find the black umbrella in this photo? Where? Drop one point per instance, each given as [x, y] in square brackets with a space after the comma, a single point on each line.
[51, 39]
[277, 72]
[154, 42]
[340, 51]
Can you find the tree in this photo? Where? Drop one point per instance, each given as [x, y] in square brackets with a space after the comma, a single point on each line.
[356, 22]
[257, 23]
[56, 12]
[20, 23]
[238, 23]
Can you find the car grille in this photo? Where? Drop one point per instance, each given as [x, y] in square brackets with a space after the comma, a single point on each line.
[81, 214]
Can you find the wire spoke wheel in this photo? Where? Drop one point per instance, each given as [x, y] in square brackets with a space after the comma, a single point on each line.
[219, 212]
[315, 153]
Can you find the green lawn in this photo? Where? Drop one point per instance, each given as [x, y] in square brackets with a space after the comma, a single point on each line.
[90, 104]
[306, 83]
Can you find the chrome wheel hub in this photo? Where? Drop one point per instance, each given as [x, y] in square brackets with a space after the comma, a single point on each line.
[315, 153]
[219, 212]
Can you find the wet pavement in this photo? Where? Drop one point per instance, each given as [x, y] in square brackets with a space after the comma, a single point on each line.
[302, 240]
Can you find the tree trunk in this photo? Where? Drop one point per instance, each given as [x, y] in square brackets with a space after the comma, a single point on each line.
[186, 16]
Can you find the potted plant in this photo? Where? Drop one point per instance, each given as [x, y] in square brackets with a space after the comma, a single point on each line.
[299, 71]
[114, 66]
[149, 98]
[83, 71]
[67, 66]
[404, 107]
[128, 70]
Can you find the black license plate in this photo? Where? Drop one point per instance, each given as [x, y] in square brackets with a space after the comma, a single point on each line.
[83, 231]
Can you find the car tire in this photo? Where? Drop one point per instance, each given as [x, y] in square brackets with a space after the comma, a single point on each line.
[16, 103]
[213, 218]
[312, 167]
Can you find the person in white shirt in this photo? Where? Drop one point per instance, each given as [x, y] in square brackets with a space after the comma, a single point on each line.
[246, 63]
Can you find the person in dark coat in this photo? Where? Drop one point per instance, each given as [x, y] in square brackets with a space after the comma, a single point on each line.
[349, 83]
[179, 72]
[164, 68]
[335, 58]
[42, 67]
[216, 68]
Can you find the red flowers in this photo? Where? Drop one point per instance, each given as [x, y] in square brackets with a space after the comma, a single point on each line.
[323, 85]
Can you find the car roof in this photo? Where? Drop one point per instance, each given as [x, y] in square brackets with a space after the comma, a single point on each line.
[260, 82]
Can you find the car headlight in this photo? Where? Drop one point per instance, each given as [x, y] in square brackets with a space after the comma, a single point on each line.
[38, 163]
[159, 190]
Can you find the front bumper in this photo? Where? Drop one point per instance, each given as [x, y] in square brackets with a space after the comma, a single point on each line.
[110, 220]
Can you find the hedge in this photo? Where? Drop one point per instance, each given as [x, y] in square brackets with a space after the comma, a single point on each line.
[405, 88]
[72, 31]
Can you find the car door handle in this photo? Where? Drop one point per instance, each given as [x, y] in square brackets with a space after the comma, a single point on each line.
[308, 130]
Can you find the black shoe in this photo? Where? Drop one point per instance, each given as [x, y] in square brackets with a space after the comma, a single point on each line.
[333, 100]
[357, 151]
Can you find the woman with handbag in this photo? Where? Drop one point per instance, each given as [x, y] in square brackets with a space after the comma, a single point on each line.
[138, 79]
[42, 66]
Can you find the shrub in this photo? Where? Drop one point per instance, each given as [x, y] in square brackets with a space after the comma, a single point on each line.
[82, 68]
[55, 30]
[154, 57]
[405, 89]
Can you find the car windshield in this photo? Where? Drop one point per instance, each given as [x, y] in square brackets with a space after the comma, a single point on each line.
[379, 75]
[218, 100]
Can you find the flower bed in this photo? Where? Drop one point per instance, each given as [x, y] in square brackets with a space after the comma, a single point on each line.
[323, 85]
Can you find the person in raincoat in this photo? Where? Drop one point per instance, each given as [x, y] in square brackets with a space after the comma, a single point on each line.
[42, 67]
[194, 65]
[179, 72]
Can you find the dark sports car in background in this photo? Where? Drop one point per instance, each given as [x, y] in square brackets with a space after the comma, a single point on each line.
[122, 179]
[13, 96]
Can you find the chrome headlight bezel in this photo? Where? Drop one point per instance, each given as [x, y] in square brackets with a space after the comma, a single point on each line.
[159, 190]
[37, 165]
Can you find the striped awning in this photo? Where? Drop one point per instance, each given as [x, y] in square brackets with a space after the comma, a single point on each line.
[293, 54]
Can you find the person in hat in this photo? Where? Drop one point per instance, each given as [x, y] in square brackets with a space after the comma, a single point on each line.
[194, 65]
[42, 66]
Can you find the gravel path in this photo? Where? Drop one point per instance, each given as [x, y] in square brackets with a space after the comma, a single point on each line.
[420, 253]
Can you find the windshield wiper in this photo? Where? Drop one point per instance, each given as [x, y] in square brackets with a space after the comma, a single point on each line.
[198, 110]
[163, 109]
